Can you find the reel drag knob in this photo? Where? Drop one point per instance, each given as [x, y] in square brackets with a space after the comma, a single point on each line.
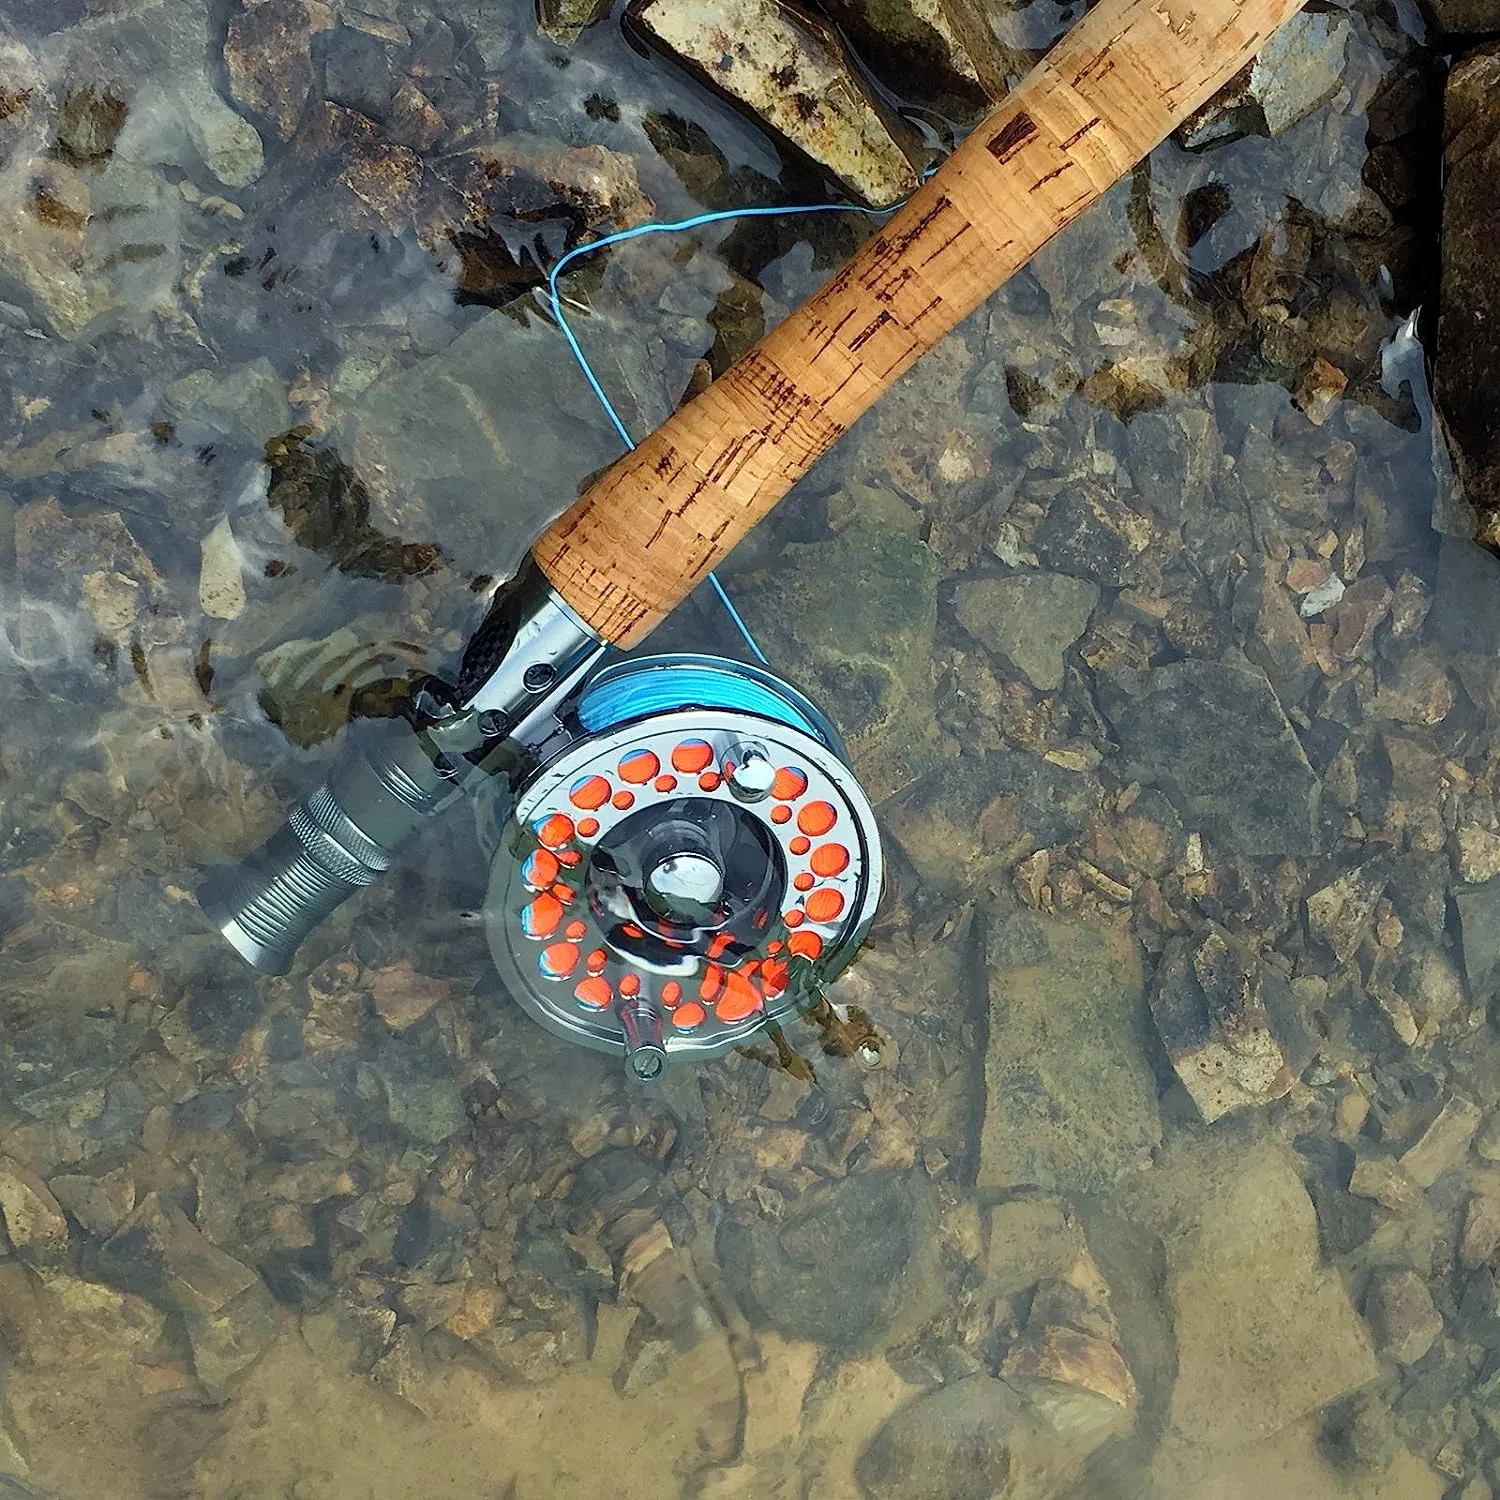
[658, 876]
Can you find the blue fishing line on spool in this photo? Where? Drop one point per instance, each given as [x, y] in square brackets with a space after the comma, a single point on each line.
[636, 695]
[719, 216]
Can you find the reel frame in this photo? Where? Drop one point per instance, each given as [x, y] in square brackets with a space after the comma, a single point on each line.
[604, 977]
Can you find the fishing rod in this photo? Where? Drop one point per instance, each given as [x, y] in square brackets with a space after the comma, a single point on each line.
[680, 852]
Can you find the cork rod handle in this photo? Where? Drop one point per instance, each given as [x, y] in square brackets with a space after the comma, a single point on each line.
[649, 529]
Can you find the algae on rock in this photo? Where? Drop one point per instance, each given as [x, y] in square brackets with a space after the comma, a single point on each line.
[1070, 1096]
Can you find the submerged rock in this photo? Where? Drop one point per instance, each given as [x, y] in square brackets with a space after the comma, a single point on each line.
[790, 70]
[1339, 914]
[1031, 619]
[564, 20]
[854, 1265]
[1214, 737]
[1068, 1361]
[268, 55]
[1402, 1317]
[1300, 68]
[159, 1254]
[1089, 532]
[856, 616]
[430, 437]
[1070, 1099]
[34, 1223]
[1466, 17]
[953, 1443]
[1443, 1143]
[942, 53]
[1265, 1333]
[1468, 353]
[1207, 1003]
[1479, 928]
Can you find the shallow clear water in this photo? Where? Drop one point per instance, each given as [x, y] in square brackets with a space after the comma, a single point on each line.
[365, 1230]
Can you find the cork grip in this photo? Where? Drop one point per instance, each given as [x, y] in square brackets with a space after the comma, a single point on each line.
[649, 530]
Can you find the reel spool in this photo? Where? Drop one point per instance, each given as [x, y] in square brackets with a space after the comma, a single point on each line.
[659, 878]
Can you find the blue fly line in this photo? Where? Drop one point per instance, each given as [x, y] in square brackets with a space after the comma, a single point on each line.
[676, 226]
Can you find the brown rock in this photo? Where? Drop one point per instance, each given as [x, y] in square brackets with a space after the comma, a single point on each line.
[159, 1254]
[1476, 853]
[268, 55]
[34, 1221]
[1466, 17]
[1339, 914]
[1481, 1231]
[1207, 1003]
[1468, 354]
[1068, 1362]
[402, 996]
[1319, 389]
[414, 122]
[1379, 1178]
[1357, 615]
[1402, 1317]
[1443, 1144]
[1304, 574]
[98, 1203]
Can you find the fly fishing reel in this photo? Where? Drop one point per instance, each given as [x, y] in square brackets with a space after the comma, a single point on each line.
[680, 853]
[700, 845]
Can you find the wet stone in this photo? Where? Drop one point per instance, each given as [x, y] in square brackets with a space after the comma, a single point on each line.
[1442, 1144]
[1402, 1317]
[1031, 1239]
[34, 1222]
[1171, 456]
[950, 1444]
[1468, 356]
[1090, 533]
[1476, 854]
[1479, 924]
[226, 1342]
[402, 996]
[421, 1095]
[1067, 1362]
[1030, 619]
[864, 651]
[1361, 609]
[1339, 914]
[791, 71]
[98, 1203]
[1265, 1332]
[943, 52]
[1209, 1009]
[1300, 68]
[1070, 1098]
[1481, 1236]
[158, 1254]
[1359, 1434]
[1487, 1138]
[852, 1265]
[1381, 1179]
[1214, 737]
[268, 55]
[565, 20]
[1467, 17]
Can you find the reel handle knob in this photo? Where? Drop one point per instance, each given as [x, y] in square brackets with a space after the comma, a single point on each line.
[645, 1045]
[339, 839]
